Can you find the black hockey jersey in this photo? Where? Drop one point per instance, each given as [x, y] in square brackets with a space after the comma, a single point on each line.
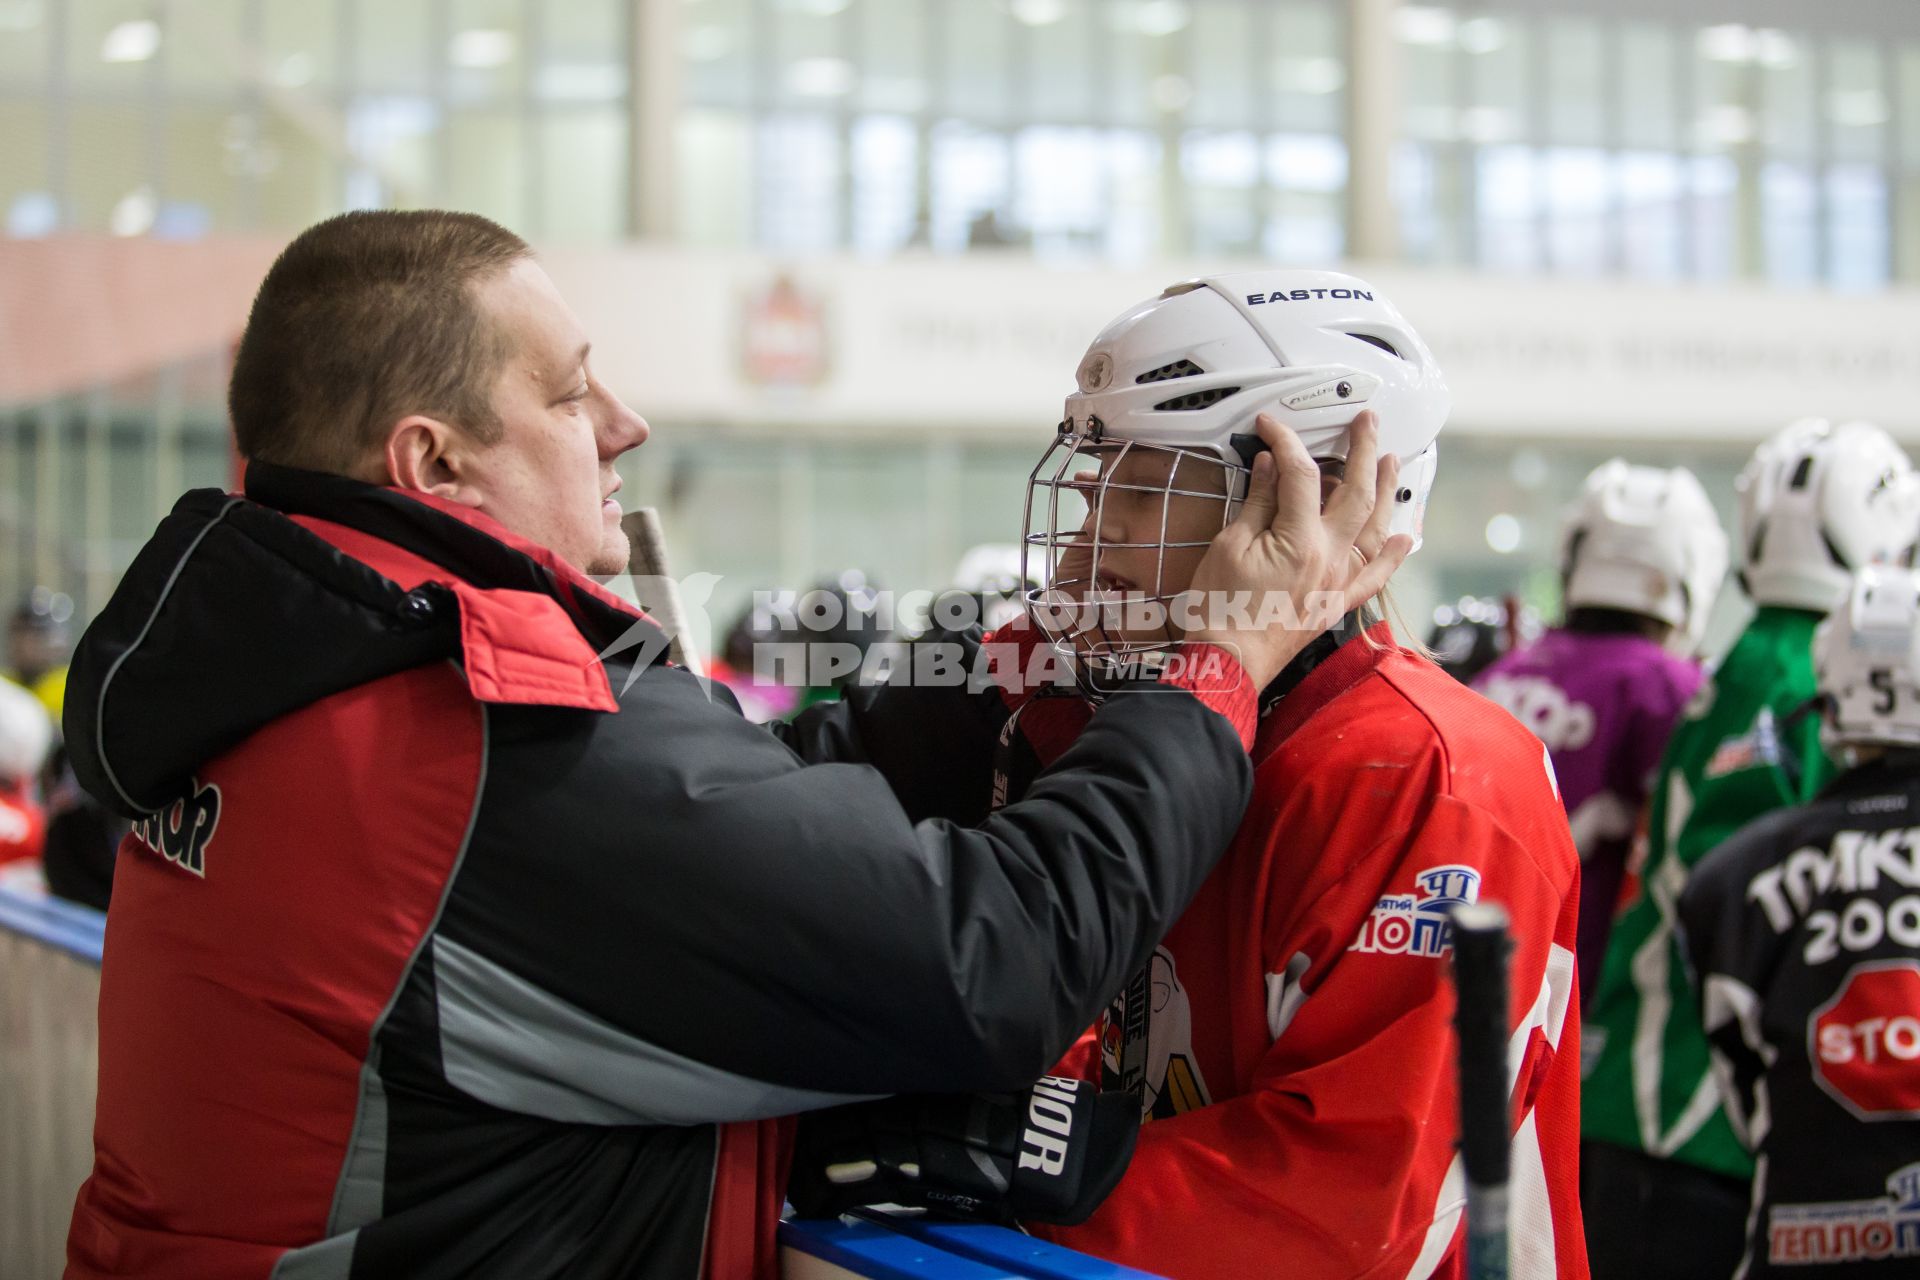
[1803, 931]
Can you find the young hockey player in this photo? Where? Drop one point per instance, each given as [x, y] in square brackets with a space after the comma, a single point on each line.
[1816, 502]
[1641, 561]
[1291, 1041]
[1804, 933]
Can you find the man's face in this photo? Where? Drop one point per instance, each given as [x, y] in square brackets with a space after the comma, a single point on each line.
[550, 477]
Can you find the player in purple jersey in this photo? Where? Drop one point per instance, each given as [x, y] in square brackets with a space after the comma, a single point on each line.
[1642, 558]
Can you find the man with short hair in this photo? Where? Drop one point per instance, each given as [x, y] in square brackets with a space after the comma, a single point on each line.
[453, 938]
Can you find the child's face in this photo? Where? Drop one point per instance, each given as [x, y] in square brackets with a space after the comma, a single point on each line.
[1155, 510]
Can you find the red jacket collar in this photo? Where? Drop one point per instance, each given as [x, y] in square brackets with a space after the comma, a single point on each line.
[533, 629]
[516, 646]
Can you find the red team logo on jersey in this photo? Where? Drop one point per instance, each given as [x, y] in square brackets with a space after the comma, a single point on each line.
[1422, 924]
[1865, 1042]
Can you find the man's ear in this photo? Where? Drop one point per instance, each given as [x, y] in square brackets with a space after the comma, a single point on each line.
[427, 455]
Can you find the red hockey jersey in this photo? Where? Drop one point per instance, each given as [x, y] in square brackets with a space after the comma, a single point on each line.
[1300, 1089]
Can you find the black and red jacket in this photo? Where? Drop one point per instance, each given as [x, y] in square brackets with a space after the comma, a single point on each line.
[443, 947]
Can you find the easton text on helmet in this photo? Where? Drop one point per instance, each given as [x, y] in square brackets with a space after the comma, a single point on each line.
[1301, 295]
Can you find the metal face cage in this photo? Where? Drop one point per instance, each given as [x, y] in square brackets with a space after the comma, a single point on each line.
[1108, 524]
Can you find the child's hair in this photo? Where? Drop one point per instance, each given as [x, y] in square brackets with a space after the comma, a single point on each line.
[1384, 607]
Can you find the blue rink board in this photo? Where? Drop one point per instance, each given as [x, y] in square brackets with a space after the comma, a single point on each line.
[885, 1247]
[878, 1253]
[65, 926]
[1020, 1254]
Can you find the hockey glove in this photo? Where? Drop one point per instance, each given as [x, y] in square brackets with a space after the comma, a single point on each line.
[1046, 1154]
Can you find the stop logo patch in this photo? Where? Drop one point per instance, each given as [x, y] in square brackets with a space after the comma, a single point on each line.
[1865, 1042]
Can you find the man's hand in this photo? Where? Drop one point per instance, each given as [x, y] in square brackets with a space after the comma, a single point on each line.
[1046, 1154]
[1283, 541]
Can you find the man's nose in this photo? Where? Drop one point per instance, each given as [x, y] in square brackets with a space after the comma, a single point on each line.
[620, 429]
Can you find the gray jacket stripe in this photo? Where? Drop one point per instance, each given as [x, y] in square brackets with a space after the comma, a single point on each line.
[360, 1195]
[331, 1259]
[512, 1045]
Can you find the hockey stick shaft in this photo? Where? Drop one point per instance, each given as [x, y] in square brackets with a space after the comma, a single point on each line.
[1480, 949]
[654, 582]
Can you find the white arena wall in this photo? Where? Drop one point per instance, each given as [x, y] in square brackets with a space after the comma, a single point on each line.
[988, 342]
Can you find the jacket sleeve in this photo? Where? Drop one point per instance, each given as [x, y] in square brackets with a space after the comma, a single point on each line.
[665, 916]
[1339, 1160]
[933, 728]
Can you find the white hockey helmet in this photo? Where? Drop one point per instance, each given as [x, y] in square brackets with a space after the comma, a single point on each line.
[1186, 373]
[26, 733]
[1645, 540]
[1818, 502]
[1866, 662]
[988, 576]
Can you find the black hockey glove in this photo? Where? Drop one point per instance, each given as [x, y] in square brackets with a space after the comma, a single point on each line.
[1047, 1154]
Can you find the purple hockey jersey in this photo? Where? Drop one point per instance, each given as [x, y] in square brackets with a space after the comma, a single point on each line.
[1604, 705]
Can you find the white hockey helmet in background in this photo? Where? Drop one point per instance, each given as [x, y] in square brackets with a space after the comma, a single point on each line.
[26, 733]
[987, 566]
[1817, 502]
[1866, 661]
[1645, 540]
[989, 576]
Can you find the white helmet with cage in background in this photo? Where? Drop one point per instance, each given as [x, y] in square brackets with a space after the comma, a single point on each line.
[1645, 540]
[1866, 662]
[1182, 376]
[1818, 502]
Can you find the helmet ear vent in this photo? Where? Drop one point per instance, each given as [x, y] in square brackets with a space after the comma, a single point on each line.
[1381, 343]
[1573, 553]
[1759, 540]
[1827, 539]
[1178, 369]
[1196, 400]
[1801, 472]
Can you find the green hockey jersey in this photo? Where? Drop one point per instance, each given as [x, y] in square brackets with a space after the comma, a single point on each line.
[1734, 756]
